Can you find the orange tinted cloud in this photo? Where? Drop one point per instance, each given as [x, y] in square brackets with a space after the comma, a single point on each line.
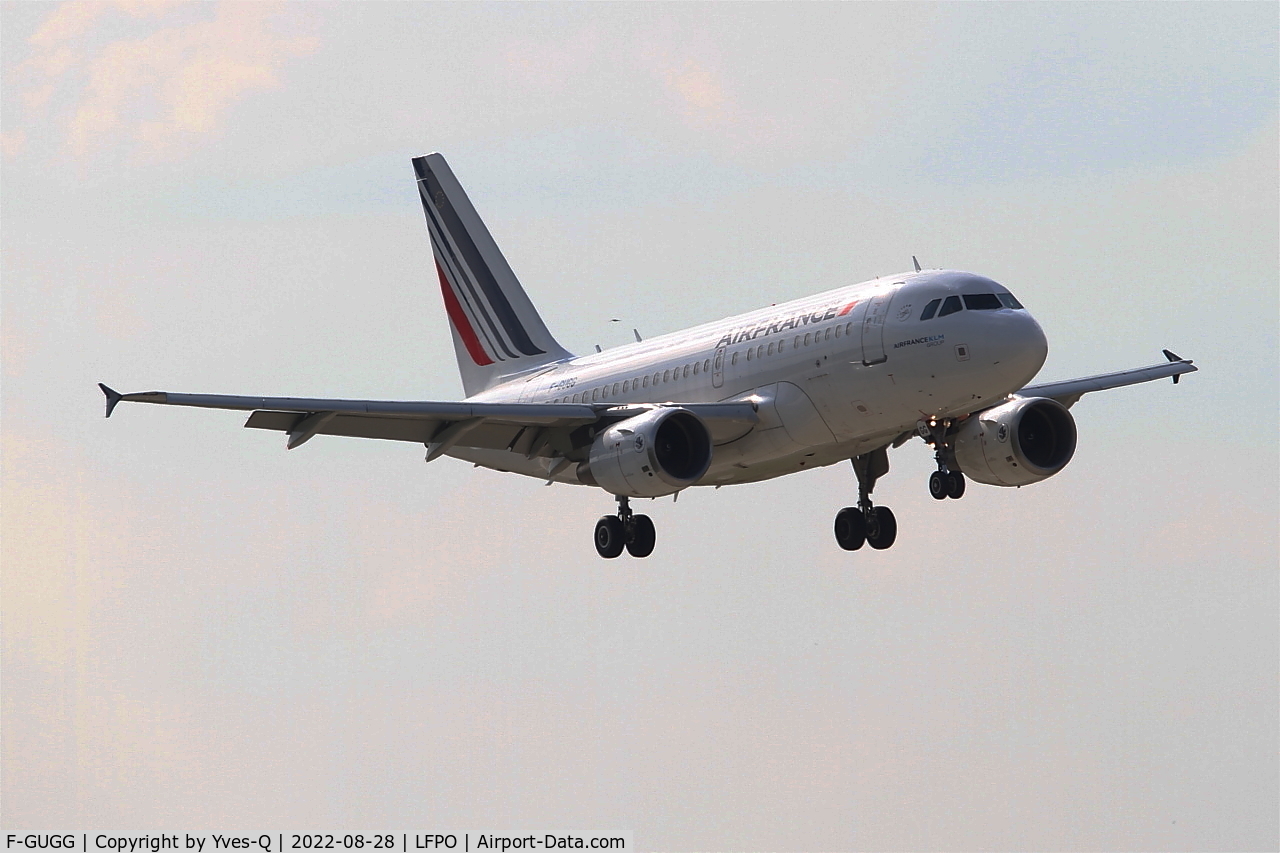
[155, 89]
[700, 92]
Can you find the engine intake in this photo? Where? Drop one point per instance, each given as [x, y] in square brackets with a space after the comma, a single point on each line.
[1016, 443]
[657, 453]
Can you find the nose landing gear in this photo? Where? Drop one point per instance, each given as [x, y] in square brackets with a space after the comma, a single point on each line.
[626, 530]
[874, 525]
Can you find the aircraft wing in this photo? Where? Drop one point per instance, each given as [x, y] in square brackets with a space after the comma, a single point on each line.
[1069, 391]
[534, 429]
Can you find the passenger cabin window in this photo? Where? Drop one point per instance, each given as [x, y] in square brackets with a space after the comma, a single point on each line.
[666, 376]
[1008, 301]
[706, 364]
[697, 367]
[626, 386]
[734, 360]
[950, 306]
[981, 302]
[930, 310]
[615, 388]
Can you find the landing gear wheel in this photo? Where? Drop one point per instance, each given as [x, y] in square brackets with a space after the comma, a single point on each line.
[938, 486]
[851, 528]
[955, 485]
[610, 539]
[883, 530]
[642, 536]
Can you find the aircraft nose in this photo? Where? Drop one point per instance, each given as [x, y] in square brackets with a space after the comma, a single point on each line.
[1029, 346]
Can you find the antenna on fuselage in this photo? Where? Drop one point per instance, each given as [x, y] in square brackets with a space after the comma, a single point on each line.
[917, 263]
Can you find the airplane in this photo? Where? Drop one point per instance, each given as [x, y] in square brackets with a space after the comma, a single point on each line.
[847, 374]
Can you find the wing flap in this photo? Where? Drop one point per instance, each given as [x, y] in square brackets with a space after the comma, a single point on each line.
[493, 436]
[418, 430]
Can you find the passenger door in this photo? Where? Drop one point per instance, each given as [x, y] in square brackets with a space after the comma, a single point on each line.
[873, 320]
[717, 369]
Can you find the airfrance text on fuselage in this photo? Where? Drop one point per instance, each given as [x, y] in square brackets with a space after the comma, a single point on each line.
[793, 322]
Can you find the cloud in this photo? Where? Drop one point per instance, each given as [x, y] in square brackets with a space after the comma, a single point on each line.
[701, 93]
[174, 81]
[12, 143]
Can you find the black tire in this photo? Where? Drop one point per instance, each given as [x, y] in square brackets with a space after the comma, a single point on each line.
[851, 528]
[886, 529]
[643, 536]
[609, 537]
[955, 485]
[938, 485]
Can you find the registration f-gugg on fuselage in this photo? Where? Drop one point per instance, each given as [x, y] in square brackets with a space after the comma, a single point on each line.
[941, 355]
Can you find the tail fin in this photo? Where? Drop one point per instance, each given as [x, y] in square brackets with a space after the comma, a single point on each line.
[497, 333]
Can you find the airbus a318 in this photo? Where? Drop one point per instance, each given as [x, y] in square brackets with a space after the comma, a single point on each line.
[939, 355]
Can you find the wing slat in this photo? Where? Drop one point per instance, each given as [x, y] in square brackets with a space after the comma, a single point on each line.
[419, 422]
[1069, 391]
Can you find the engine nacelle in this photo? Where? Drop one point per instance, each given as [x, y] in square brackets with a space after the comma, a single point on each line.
[1016, 443]
[650, 455]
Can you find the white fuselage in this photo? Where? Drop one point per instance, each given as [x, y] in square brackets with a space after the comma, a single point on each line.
[833, 375]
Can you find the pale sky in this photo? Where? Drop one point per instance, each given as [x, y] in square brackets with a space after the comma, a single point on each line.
[204, 632]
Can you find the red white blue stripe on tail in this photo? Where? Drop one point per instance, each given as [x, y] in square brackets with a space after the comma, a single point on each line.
[497, 331]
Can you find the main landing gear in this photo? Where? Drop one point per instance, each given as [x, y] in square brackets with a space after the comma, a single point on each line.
[626, 530]
[945, 484]
[874, 525]
[947, 481]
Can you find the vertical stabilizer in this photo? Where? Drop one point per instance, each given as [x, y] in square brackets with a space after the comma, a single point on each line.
[497, 332]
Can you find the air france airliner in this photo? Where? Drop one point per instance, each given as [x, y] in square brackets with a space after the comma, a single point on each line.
[940, 355]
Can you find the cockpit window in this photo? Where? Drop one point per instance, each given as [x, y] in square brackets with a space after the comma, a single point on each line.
[981, 302]
[930, 310]
[951, 306]
[1008, 300]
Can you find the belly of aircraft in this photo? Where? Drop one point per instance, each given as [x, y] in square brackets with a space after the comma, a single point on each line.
[827, 417]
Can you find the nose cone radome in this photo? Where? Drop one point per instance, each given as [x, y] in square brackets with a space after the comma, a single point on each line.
[1028, 346]
[1012, 348]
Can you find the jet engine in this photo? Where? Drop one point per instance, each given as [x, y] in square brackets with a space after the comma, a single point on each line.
[1023, 441]
[647, 456]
